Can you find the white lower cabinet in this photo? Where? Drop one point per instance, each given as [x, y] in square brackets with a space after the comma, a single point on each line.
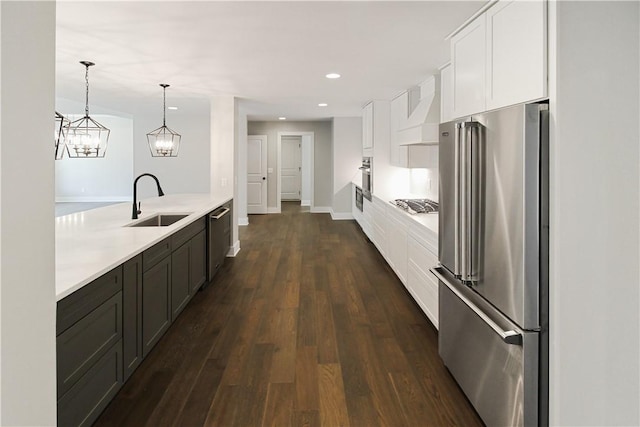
[378, 226]
[420, 282]
[397, 235]
[409, 248]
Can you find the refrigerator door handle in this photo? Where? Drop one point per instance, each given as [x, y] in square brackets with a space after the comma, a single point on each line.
[464, 212]
[456, 200]
[512, 336]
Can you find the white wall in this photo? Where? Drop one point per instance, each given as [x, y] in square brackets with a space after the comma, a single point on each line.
[189, 172]
[103, 179]
[241, 167]
[347, 158]
[594, 207]
[27, 247]
[224, 154]
[322, 191]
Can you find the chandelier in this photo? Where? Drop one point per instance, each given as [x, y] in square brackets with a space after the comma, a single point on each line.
[164, 142]
[86, 137]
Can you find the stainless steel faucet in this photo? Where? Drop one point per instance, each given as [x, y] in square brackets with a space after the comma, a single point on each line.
[136, 205]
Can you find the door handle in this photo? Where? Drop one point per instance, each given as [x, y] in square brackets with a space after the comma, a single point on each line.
[511, 336]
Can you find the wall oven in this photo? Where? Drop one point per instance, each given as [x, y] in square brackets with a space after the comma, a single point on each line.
[359, 198]
[367, 178]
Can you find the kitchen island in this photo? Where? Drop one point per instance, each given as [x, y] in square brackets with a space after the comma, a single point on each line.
[120, 286]
[91, 243]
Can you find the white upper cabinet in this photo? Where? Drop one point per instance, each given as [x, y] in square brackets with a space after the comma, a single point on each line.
[446, 94]
[367, 130]
[468, 59]
[500, 57]
[516, 52]
[399, 108]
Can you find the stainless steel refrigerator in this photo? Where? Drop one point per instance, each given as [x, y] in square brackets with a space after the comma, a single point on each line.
[493, 250]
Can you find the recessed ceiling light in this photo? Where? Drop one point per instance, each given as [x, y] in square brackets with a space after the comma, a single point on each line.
[333, 76]
[322, 104]
[282, 118]
[172, 108]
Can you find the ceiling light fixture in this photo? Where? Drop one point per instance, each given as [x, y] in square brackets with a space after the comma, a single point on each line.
[172, 108]
[333, 76]
[322, 104]
[282, 118]
[60, 134]
[87, 138]
[164, 142]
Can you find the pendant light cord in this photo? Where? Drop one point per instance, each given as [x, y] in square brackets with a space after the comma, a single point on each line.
[86, 78]
[164, 106]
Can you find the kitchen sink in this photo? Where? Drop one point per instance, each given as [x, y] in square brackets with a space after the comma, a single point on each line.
[159, 220]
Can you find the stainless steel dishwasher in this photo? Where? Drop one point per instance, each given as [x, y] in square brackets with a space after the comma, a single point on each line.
[219, 231]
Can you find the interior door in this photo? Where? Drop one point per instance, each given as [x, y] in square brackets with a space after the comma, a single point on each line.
[291, 167]
[257, 174]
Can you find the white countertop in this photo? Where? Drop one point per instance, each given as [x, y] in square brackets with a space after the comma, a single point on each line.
[91, 243]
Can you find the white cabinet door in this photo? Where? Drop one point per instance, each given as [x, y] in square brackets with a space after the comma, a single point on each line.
[516, 52]
[446, 94]
[367, 130]
[468, 57]
[420, 282]
[399, 111]
[378, 226]
[397, 234]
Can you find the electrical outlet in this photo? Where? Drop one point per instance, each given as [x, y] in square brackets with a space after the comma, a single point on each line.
[223, 182]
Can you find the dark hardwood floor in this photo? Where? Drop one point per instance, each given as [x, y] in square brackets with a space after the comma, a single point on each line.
[307, 326]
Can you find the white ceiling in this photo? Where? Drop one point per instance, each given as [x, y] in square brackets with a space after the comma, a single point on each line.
[272, 55]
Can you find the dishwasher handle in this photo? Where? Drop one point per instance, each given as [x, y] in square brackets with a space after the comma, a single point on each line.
[216, 215]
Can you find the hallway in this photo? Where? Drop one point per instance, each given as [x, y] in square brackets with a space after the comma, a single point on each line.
[307, 326]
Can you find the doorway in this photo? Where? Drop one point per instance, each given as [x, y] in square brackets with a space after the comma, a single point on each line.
[291, 147]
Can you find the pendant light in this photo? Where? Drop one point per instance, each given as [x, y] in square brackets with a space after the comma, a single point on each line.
[87, 138]
[164, 142]
[60, 134]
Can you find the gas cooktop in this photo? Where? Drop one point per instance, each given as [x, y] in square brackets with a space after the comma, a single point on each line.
[416, 206]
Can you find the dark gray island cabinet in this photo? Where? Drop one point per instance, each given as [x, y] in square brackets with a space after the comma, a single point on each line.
[106, 328]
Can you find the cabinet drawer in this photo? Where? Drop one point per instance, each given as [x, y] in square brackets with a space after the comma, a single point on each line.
[181, 237]
[424, 289]
[80, 346]
[85, 300]
[84, 402]
[156, 253]
[422, 257]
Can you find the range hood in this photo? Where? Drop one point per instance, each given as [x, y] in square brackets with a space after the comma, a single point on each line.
[423, 121]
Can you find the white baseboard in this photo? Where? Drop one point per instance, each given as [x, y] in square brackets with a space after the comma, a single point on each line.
[273, 210]
[336, 216]
[74, 199]
[320, 209]
[243, 221]
[305, 203]
[233, 250]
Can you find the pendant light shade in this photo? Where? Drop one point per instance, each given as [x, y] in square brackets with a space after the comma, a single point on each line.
[86, 137]
[60, 134]
[164, 142]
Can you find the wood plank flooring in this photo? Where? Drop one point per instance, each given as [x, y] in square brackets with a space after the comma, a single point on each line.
[307, 326]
